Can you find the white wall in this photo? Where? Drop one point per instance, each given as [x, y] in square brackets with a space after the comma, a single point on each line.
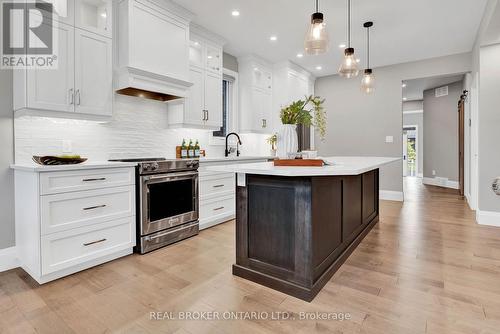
[441, 133]
[358, 124]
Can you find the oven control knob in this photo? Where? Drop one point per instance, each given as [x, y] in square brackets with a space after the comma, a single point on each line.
[155, 166]
[146, 167]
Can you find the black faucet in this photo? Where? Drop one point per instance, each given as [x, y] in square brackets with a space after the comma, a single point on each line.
[237, 147]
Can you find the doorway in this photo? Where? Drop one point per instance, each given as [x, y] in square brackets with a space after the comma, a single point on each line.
[410, 151]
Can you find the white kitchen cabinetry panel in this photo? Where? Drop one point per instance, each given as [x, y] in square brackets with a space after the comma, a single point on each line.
[69, 248]
[94, 16]
[67, 211]
[81, 85]
[217, 210]
[256, 94]
[53, 89]
[202, 108]
[216, 186]
[62, 182]
[93, 74]
[153, 39]
[72, 220]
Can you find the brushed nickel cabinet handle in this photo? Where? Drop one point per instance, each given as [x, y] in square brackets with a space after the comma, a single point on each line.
[94, 207]
[219, 186]
[77, 97]
[218, 209]
[93, 180]
[94, 242]
[71, 96]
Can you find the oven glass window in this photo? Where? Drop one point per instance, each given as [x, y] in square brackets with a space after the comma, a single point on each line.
[170, 199]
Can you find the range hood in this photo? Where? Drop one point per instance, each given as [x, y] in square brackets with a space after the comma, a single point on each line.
[143, 84]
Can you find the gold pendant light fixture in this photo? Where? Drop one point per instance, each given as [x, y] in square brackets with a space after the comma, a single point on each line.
[368, 81]
[349, 67]
[316, 41]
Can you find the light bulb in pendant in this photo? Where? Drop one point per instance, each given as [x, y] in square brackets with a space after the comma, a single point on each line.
[316, 41]
[368, 82]
[349, 67]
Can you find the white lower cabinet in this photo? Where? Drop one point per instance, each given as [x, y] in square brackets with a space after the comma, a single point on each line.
[73, 220]
[218, 193]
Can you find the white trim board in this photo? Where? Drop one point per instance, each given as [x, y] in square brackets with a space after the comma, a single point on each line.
[8, 259]
[411, 112]
[445, 183]
[489, 218]
[388, 195]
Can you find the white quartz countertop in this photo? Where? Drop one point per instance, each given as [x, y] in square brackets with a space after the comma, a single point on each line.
[234, 158]
[337, 166]
[33, 167]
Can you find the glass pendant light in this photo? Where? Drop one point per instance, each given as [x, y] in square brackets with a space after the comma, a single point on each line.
[368, 81]
[349, 66]
[317, 40]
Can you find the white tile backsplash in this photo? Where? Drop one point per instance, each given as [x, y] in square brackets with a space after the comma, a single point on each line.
[139, 128]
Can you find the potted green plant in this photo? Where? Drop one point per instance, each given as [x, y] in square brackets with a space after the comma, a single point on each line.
[273, 140]
[307, 112]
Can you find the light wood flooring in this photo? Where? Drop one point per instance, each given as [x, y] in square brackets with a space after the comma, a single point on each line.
[425, 268]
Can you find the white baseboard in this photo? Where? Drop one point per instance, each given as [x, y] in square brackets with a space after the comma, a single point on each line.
[441, 182]
[388, 195]
[490, 218]
[8, 259]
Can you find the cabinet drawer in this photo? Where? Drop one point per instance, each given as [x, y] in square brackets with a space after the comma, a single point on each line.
[68, 211]
[70, 248]
[215, 186]
[62, 182]
[220, 207]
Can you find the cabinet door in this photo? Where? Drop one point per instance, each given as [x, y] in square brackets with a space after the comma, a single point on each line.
[93, 73]
[53, 89]
[94, 16]
[194, 113]
[262, 103]
[63, 11]
[266, 110]
[214, 59]
[196, 52]
[213, 99]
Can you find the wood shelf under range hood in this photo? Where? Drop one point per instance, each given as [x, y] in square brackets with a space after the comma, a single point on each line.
[130, 91]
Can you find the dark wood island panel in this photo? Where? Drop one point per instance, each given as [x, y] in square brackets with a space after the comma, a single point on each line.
[293, 233]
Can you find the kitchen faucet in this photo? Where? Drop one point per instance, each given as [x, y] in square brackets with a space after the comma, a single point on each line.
[237, 144]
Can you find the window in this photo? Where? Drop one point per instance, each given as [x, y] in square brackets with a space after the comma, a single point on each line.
[226, 106]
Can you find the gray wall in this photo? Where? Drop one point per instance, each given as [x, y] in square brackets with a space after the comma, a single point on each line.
[230, 62]
[7, 238]
[413, 105]
[489, 126]
[417, 119]
[359, 123]
[441, 132]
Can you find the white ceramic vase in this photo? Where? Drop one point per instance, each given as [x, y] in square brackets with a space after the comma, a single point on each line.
[287, 140]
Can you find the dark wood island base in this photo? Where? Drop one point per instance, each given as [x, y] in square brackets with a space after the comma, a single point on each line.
[294, 233]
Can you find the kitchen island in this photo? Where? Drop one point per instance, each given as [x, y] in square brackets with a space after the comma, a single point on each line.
[295, 226]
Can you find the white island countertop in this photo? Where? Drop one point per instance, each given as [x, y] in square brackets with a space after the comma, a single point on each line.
[33, 167]
[337, 166]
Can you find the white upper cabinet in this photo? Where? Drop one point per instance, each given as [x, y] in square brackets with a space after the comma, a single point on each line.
[93, 79]
[202, 108]
[94, 16]
[153, 38]
[80, 86]
[256, 94]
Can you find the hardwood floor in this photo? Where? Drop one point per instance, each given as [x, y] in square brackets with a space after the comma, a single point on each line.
[425, 268]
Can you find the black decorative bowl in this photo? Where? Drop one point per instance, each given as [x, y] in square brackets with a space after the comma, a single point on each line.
[54, 161]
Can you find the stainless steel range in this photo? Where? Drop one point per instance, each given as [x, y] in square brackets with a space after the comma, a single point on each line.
[167, 202]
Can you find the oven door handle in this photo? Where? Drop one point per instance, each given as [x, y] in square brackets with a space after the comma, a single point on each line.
[170, 177]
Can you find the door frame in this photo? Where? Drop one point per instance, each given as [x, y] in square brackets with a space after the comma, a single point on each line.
[417, 148]
[461, 145]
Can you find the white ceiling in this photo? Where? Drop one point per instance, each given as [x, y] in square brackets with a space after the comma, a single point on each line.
[404, 30]
[414, 89]
[492, 33]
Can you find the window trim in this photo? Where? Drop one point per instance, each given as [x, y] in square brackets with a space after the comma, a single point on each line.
[232, 125]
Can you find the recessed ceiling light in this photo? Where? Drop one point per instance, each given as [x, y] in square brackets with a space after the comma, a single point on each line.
[404, 99]
[273, 38]
[209, 57]
[404, 85]
[342, 46]
[235, 13]
[300, 55]
[319, 68]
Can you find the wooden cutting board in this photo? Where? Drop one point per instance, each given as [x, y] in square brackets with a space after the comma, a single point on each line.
[298, 163]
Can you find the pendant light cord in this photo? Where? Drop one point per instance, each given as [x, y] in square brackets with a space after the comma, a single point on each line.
[368, 46]
[317, 6]
[348, 23]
